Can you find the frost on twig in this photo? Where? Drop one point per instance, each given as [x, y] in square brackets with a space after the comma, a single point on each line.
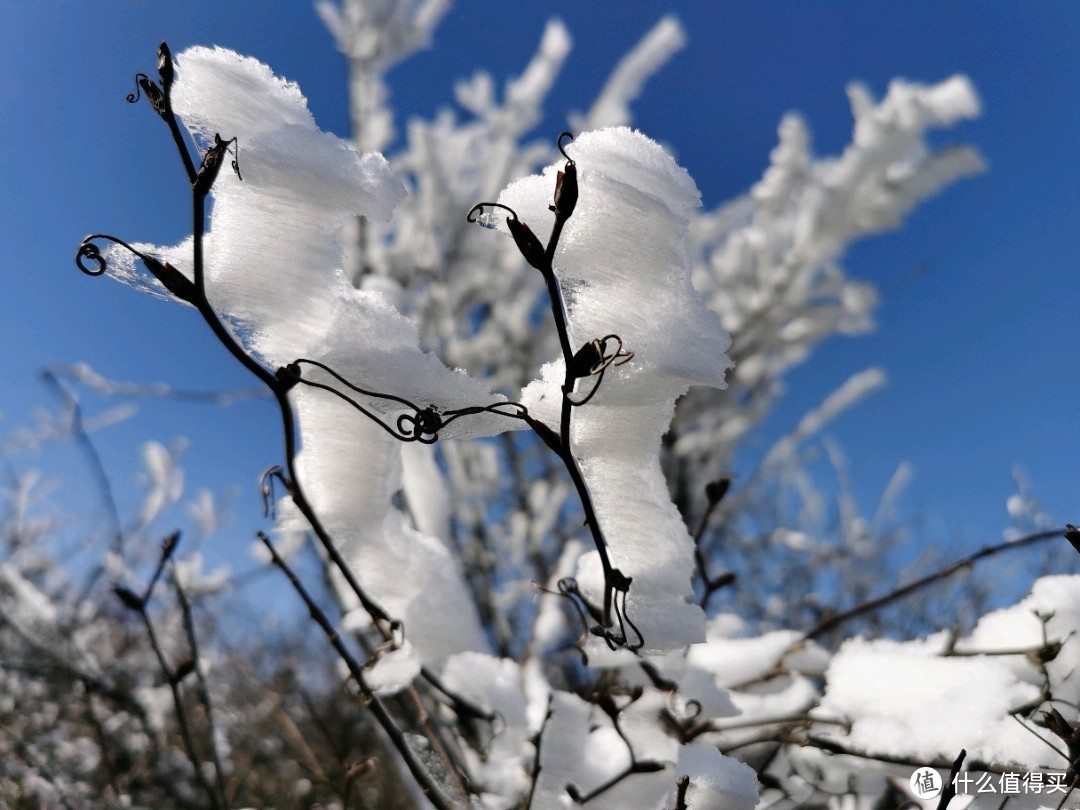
[623, 268]
[612, 107]
[651, 731]
[768, 262]
[374, 36]
[273, 268]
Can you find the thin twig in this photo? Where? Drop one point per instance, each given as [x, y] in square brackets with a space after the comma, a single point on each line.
[537, 766]
[200, 679]
[837, 619]
[948, 793]
[834, 747]
[427, 783]
[714, 492]
[178, 704]
[93, 458]
[542, 257]
[681, 786]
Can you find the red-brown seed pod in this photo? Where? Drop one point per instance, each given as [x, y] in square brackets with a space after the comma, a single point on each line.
[172, 279]
[566, 191]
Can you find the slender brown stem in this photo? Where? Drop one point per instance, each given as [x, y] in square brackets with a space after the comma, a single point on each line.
[681, 786]
[558, 311]
[433, 792]
[536, 758]
[280, 390]
[200, 679]
[181, 712]
[948, 792]
[837, 619]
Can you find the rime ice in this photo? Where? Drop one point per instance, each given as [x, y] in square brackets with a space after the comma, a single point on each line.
[273, 269]
[624, 267]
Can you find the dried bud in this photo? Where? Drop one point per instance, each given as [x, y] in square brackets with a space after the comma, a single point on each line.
[131, 600]
[566, 191]
[586, 359]
[1072, 534]
[172, 279]
[168, 545]
[716, 490]
[165, 67]
[183, 669]
[1047, 653]
[527, 242]
[154, 95]
[1057, 724]
[211, 165]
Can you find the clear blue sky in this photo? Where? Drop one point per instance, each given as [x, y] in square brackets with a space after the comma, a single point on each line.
[980, 346]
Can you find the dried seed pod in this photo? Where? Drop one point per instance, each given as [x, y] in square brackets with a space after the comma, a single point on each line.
[165, 68]
[130, 599]
[211, 165]
[173, 280]
[153, 95]
[566, 184]
[527, 242]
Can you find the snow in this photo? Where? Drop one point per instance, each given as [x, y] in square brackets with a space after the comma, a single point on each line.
[392, 670]
[1019, 628]
[189, 573]
[218, 90]
[425, 490]
[163, 478]
[623, 267]
[906, 700]
[496, 686]
[717, 782]
[273, 260]
[273, 270]
[612, 106]
[29, 606]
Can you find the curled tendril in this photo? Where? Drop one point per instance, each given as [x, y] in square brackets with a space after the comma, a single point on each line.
[564, 593]
[562, 149]
[477, 210]
[266, 489]
[89, 251]
[532, 249]
[132, 98]
[596, 350]
[236, 159]
[621, 639]
[422, 425]
[516, 411]
[168, 276]
[568, 589]
[211, 163]
[395, 640]
[691, 708]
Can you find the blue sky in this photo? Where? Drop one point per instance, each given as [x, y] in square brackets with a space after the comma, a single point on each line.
[981, 288]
